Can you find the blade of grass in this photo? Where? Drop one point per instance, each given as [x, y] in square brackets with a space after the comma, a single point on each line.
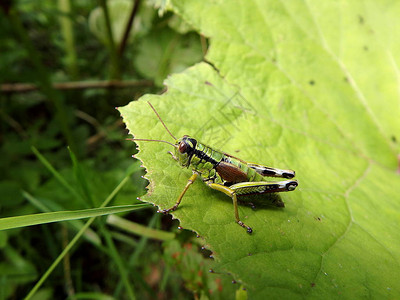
[74, 240]
[122, 268]
[90, 235]
[55, 173]
[134, 258]
[124, 238]
[81, 178]
[35, 202]
[139, 229]
[58, 216]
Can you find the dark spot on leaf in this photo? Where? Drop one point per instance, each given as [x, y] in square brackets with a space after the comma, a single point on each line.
[208, 83]
[312, 284]
[346, 79]
[365, 48]
[361, 19]
[394, 140]
[311, 82]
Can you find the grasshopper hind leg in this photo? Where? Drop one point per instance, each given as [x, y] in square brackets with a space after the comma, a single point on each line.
[262, 187]
[249, 188]
[231, 193]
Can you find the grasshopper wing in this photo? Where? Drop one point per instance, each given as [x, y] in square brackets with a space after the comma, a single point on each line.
[271, 172]
[230, 173]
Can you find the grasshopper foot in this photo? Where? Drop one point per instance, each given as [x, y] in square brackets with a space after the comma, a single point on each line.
[248, 228]
[290, 186]
[167, 211]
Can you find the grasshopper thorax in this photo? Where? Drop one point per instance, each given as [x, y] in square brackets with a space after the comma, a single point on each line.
[185, 147]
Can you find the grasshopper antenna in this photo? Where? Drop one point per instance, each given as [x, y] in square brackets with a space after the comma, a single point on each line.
[148, 140]
[165, 126]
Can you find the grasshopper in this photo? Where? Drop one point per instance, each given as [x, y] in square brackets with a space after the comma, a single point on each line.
[223, 172]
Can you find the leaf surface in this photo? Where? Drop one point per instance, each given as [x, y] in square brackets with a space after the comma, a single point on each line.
[311, 86]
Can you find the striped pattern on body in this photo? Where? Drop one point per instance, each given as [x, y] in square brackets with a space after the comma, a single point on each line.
[222, 168]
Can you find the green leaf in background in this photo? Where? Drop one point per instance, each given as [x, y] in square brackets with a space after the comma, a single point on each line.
[165, 51]
[312, 86]
[119, 11]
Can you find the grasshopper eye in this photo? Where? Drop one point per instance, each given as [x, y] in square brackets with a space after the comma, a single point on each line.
[182, 147]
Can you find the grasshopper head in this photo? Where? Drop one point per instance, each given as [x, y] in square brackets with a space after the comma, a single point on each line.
[184, 150]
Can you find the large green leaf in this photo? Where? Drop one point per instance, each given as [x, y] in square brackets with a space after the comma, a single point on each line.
[312, 86]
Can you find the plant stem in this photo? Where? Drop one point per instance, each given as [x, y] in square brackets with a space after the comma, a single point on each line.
[67, 32]
[128, 28]
[114, 68]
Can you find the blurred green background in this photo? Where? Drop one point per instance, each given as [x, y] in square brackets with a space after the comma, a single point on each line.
[65, 66]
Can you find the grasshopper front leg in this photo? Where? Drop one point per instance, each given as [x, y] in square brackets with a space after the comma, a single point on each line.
[190, 181]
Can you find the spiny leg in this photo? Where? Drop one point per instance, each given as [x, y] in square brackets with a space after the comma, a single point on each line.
[190, 181]
[231, 193]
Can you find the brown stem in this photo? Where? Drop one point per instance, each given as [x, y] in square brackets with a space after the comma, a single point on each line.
[74, 85]
[128, 28]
